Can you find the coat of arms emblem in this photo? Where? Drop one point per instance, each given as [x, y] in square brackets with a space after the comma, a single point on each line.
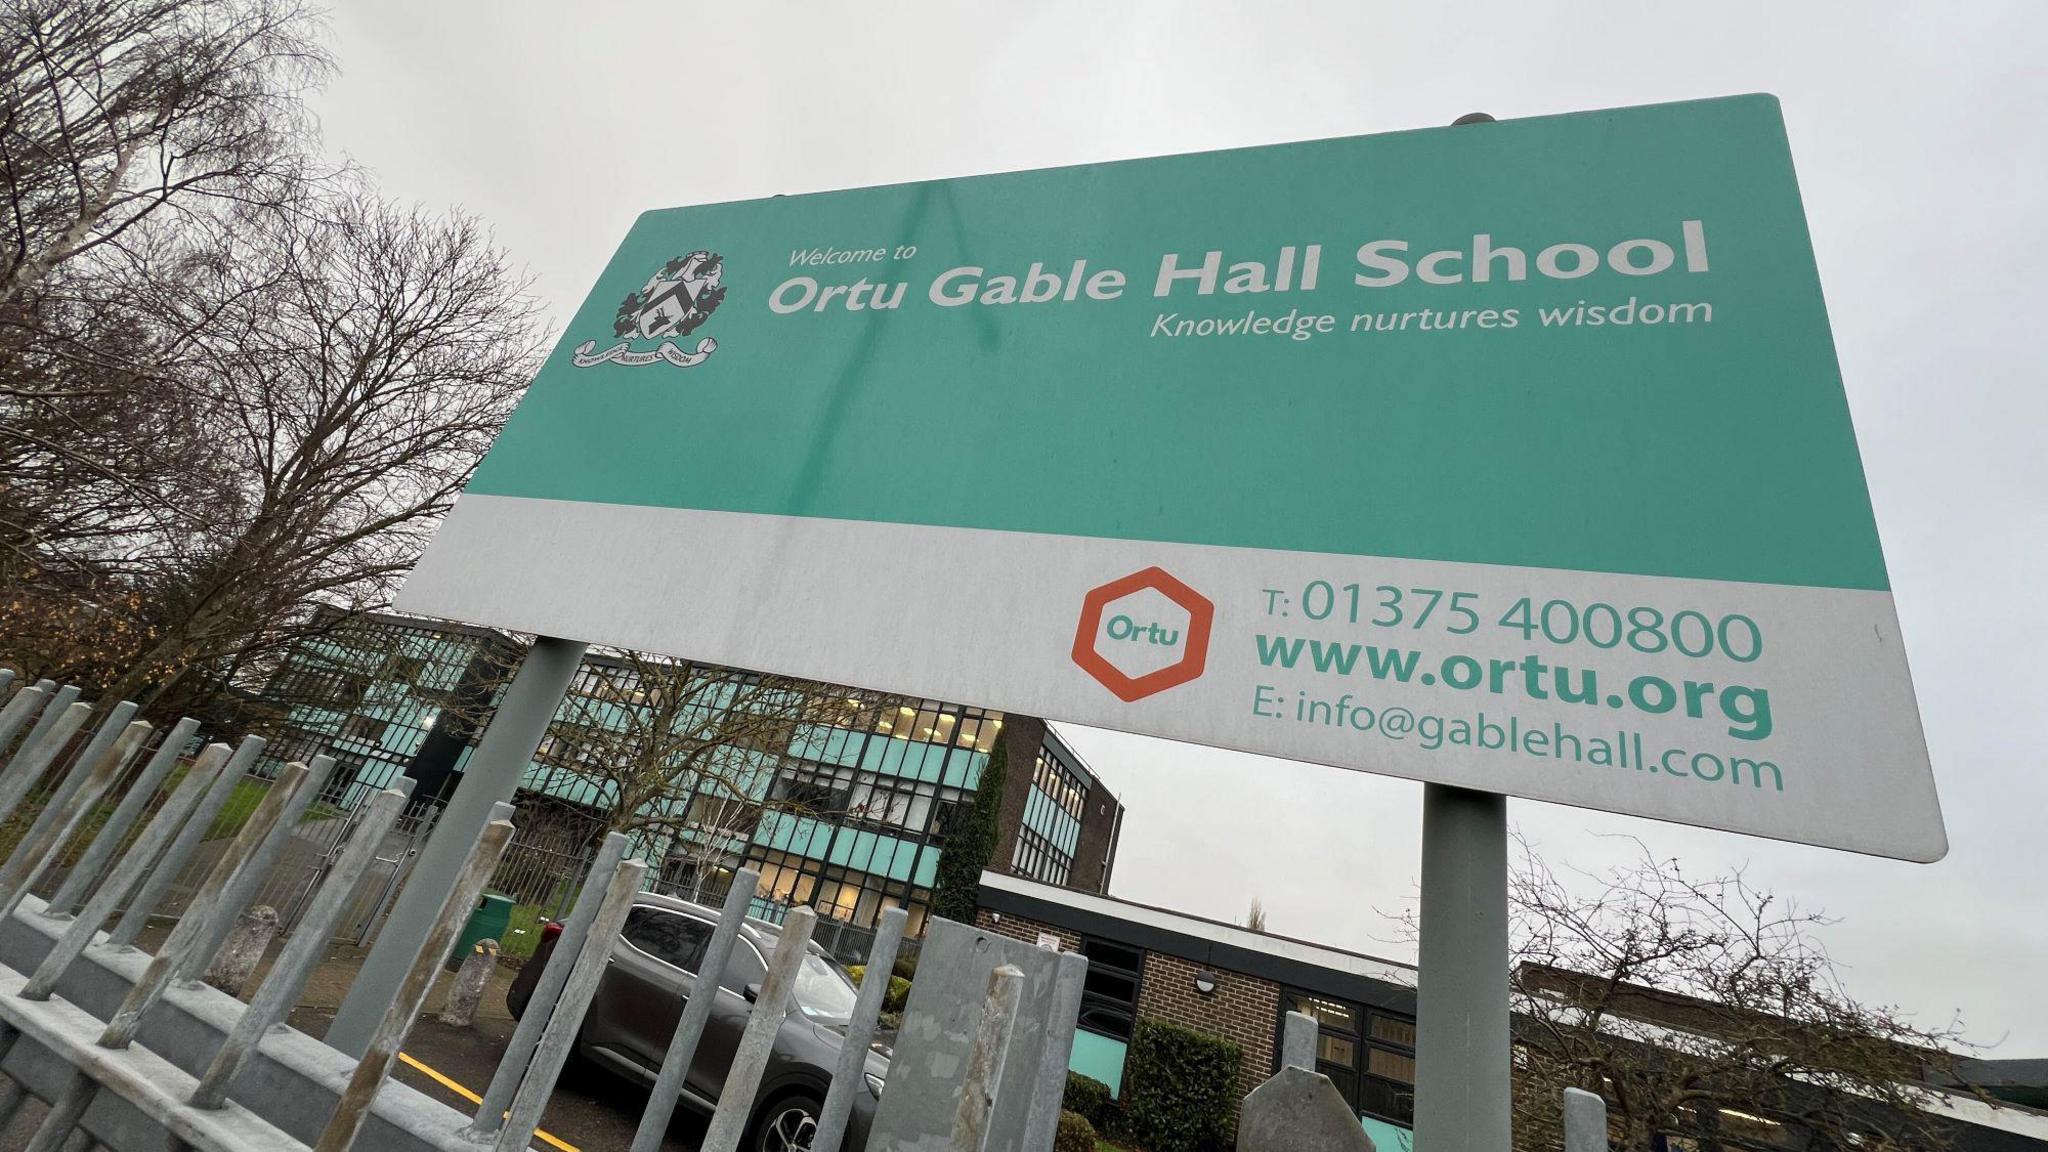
[675, 302]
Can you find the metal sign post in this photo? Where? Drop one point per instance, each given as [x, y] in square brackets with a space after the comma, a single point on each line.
[1462, 1101]
[1461, 1019]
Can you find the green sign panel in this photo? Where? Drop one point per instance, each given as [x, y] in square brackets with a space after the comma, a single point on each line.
[1214, 446]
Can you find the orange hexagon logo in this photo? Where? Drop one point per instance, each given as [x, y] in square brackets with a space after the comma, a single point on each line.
[1143, 634]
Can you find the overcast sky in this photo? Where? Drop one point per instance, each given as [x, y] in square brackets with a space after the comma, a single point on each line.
[1917, 130]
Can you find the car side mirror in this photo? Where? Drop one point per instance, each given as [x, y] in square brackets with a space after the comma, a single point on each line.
[752, 993]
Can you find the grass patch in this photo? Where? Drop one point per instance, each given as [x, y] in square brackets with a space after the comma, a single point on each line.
[242, 802]
[522, 934]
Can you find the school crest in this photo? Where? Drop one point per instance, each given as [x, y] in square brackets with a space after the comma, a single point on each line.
[675, 302]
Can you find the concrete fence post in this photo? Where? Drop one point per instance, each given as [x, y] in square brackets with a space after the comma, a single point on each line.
[127, 873]
[1585, 1121]
[52, 832]
[125, 814]
[984, 1076]
[1048, 1094]
[59, 706]
[682, 1047]
[205, 905]
[567, 1019]
[540, 1006]
[1298, 1042]
[158, 883]
[399, 1013]
[25, 703]
[468, 988]
[850, 1074]
[250, 938]
[38, 750]
[280, 989]
[243, 885]
[771, 1007]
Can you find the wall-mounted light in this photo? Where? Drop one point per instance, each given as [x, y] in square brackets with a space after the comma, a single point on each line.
[1205, 982]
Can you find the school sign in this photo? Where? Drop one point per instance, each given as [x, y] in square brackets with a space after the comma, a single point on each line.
[1510, 456]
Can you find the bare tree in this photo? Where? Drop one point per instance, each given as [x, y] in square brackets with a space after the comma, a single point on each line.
[1255, 918]
[1705, 1009]
[687, 756]
[112, 111]
[352, 366]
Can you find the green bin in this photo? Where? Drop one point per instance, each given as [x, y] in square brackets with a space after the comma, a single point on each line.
[492, 917]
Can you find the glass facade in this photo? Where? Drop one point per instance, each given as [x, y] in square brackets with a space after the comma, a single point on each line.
[369, 689]
[842, 799]
[1052, 820]
[1368, 1054]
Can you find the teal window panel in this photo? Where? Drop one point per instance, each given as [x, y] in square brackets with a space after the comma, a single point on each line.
[1101, 1058]
[964, 767]
[927, 866]
[1385, 1137]
[934, 765]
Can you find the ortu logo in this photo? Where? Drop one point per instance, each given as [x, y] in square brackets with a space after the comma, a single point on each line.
[1143, 634]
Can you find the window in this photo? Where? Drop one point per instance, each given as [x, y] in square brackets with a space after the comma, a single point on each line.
[1109, 994]
[668, 937]
[1367, 1054]
[367, 729]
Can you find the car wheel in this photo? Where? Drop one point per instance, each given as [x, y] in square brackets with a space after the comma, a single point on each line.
[787, 1125]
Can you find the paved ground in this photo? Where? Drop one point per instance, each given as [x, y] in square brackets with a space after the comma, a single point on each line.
[590, 1112]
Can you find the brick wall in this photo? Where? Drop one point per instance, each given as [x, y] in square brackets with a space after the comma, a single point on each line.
[1018, 928]
[1244, 1010]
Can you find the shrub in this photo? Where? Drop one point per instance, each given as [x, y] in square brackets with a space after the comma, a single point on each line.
[899, 989]
[906, 966]
[1075, 1134]
[1180, 1091]
[1090, 1098]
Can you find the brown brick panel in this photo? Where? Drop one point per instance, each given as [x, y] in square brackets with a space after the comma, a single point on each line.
[1019, 928]
[1244, 1010]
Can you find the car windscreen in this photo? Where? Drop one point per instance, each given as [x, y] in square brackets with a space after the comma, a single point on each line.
[823, 991]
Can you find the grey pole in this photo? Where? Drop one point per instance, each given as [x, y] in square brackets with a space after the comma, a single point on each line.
[850, 1075]
[983, 1079]
[1585, 1121]
[307, 946]
[65, 697]
[23, 705]
[126, 873]
[33, 759]
[457, 902]
[159, 881]
[1461, 1019]
[682, 1047]
[540, 1006]
[771, 1008]
[491, 775]
[102, 739]
[590, 962]
[1042, 1118]
[125, 814]
[1298, 1041]
[196, 921]
[47, 839]
[242, 886]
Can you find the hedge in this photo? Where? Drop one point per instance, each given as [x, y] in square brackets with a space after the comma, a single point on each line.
[895, 998]
[1090, 1098]
[1075, 1134]
[1179, 1090]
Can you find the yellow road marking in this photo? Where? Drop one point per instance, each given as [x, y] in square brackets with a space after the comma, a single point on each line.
[473, 1098]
